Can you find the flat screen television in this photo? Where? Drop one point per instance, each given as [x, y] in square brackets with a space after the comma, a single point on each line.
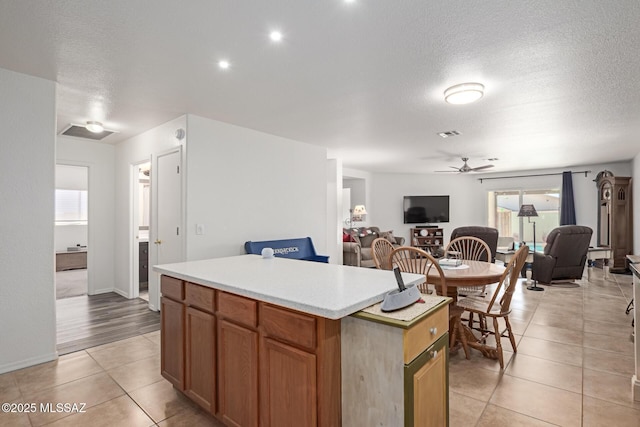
[425, 209]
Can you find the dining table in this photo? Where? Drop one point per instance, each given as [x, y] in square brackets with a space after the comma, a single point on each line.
[469, 273]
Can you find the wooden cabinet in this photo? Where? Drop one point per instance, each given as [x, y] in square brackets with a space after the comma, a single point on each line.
[615, 219]
[143, 262]
[429, 239]
[238, 359]
[406, 383]
[172, 341]
[238, 381]
[426, 387]
[288, 386]
[263, 364]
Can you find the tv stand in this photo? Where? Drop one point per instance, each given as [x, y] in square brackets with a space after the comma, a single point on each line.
[428, 238]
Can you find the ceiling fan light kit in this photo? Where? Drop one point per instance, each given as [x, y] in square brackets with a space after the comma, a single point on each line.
[464, 93]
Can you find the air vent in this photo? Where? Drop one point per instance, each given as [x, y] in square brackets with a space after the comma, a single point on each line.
[448, 133]
[79, 131]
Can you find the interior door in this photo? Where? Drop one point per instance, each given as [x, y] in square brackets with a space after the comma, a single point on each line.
[167, 234]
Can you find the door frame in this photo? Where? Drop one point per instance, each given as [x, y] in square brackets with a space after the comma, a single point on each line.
[154, 278]
[91, 221]
[134, 241]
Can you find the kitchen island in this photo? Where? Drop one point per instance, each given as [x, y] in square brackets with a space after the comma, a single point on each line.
[258, 341]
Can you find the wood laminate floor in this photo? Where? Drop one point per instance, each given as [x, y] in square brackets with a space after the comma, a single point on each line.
[87, 321]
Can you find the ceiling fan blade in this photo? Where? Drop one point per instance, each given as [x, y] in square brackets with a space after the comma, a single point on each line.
[455, 167]
[482, 167]
[449, 171]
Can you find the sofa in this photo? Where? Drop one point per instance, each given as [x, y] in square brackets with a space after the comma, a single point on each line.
[565, 254]
[356, 245]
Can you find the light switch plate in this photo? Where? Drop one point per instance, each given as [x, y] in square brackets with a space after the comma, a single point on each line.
[200, 229]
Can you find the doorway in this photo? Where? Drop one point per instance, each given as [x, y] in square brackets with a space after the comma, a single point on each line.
[71, 230]
[140, 214]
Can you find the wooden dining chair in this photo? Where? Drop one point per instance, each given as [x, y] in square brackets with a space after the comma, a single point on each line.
[414, 260]
[472, 249]
[381, 249]
[499, 306]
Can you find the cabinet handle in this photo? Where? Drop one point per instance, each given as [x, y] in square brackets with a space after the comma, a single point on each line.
[433, 330]
[434, 353]
[158, 242]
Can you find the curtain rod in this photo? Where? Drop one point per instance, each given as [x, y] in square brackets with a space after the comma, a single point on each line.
[527, 176]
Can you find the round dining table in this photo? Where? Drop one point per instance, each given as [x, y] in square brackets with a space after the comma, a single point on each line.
[470, 273]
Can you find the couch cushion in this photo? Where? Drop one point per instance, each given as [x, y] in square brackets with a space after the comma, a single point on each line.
[389, 236]
[367, 253]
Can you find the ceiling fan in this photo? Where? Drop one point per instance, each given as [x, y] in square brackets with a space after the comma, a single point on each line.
[466, 168]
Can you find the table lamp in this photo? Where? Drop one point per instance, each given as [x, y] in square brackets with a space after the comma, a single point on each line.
[530, 211]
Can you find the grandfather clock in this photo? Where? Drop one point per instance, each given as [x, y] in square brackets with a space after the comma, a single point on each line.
[615, 219]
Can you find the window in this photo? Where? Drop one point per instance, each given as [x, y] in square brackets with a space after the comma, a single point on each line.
[71, 207]
[503, 214]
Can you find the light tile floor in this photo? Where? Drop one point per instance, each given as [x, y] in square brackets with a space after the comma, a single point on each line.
[573, 368]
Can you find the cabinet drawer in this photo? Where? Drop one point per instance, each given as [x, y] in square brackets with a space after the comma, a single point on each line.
[288, 326]
[200, 297]
[239, 309]
[143, 249]
[172, 288]
[425, 333]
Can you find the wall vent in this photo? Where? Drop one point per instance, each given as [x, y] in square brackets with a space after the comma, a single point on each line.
[79, 131]
[448, 133]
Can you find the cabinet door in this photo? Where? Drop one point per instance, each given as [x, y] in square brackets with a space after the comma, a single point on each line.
[288, 393]
[238, 374]
[427, 387]
[172, 341]
[200, 354]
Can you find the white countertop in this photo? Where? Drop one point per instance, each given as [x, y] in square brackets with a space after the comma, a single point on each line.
[326, 290]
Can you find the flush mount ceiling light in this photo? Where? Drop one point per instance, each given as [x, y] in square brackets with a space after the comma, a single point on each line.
[275, 36]
[464, 93]
[95, 127]
[224, 64]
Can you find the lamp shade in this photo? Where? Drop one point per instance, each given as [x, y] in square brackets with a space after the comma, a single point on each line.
[527, 210]
[359, 210]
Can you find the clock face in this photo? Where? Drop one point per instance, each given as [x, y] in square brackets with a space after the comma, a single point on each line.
[606, 192]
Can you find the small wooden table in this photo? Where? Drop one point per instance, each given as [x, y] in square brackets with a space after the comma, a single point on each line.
[478, 273]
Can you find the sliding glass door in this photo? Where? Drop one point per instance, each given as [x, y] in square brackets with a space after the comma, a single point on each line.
[505, 217]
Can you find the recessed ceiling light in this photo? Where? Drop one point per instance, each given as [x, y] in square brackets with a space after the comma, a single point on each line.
[224, 64]
[349, 1]
[464, 93]
[275, 36]
[95, 127]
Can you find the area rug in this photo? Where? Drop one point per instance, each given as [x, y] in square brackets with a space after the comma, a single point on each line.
[71, 283]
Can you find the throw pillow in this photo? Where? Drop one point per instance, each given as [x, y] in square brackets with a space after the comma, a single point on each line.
[389, 236]
[347, 237]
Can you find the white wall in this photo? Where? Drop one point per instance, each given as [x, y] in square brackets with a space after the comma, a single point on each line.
[27, 176]
[248, 185]
[133, 151]
[99, 158]
[635, 184]
[468, 196]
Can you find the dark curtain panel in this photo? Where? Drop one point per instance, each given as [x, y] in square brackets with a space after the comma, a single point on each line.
[567, 207]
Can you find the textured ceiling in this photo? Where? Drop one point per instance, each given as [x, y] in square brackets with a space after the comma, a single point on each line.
[363, 79]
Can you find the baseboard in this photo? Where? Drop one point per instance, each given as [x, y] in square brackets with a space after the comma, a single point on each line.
[121, 293]
[28, 362]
